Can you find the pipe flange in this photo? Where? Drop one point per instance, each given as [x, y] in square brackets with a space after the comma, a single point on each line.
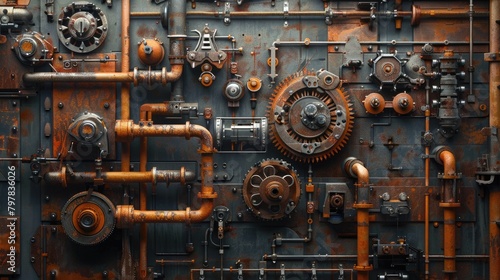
[124, 216]
[88, 219]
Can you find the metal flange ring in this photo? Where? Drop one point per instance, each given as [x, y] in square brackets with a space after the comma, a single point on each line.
[88, 219]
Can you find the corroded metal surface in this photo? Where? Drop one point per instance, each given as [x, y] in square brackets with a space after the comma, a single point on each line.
[383, 121]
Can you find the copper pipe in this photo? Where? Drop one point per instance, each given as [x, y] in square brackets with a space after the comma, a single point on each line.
[449, 243]
[137, 76]
[449, 202]
[154, 176]
[127, 130]
[127, 216]
[126, 260]
[356, 169]
[449, 163]
[143, 230]
[494, 119]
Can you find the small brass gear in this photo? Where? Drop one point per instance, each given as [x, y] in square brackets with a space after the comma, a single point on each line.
[271, 189]
[310, 116]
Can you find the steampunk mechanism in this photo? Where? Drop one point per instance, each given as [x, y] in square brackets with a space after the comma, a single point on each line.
[88, 218]
[157, 116]
[310, 117]
[271, 189]
[82, 27]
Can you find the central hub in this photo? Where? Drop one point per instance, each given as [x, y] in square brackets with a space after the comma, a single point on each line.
[87, 220]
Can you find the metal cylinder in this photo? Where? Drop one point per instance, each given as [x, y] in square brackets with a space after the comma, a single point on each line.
[356, 169]
[153, 176]
[449, 269]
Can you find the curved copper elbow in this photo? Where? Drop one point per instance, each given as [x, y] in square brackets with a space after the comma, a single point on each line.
[449, 163]
[356, 169]
[445, 157]
[127, 216]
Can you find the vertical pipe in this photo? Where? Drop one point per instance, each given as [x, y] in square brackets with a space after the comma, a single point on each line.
[494, 198]
[449, 240]
[177, 27]
[356, 169]
[427, 176]
[126, 261]
[143, 228]
[449, 203]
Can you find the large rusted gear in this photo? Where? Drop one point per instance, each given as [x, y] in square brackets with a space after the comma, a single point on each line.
[271, 189]
[88, 219]
[310, 117]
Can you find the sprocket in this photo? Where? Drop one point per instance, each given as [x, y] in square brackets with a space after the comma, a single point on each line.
[310, 116]
[271, 189]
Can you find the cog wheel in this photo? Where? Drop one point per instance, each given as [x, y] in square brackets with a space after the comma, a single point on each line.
[271, 189]
[310, 117]
[88, 219]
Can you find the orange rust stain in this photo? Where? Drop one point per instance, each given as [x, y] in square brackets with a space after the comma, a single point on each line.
[27, 116]
[145, 32]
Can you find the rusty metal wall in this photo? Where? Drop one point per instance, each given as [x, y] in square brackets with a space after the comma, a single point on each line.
[266, 139]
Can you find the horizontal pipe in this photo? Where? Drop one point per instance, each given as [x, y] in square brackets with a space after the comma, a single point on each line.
[136, 76]
[334, 13]
[127, 216]
[153, 176]
[319, 257]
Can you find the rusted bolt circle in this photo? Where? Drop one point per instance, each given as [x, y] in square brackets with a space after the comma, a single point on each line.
[483, 107]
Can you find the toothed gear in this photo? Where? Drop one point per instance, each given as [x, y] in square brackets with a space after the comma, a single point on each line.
[310, 117]
[88, 219]
[271, 189]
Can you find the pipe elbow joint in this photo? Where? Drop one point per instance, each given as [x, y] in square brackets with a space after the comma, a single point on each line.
[356, 169]
[444, 156]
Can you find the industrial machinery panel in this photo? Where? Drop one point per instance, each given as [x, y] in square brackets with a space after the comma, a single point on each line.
[249, 139]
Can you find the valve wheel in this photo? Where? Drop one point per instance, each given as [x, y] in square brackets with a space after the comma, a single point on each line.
[88, 220]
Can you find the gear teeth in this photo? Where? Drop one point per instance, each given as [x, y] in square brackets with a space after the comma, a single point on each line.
[281, 91]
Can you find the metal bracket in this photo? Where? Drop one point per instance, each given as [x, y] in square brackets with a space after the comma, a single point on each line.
[313, 272]
[353, 56]
[341, 272]
[273, 74]
[49, 10]
[262, 270]
[282, 273]
[240, 271]
[492, 57]
[328, 16]
[286, 8]
[227, 13]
